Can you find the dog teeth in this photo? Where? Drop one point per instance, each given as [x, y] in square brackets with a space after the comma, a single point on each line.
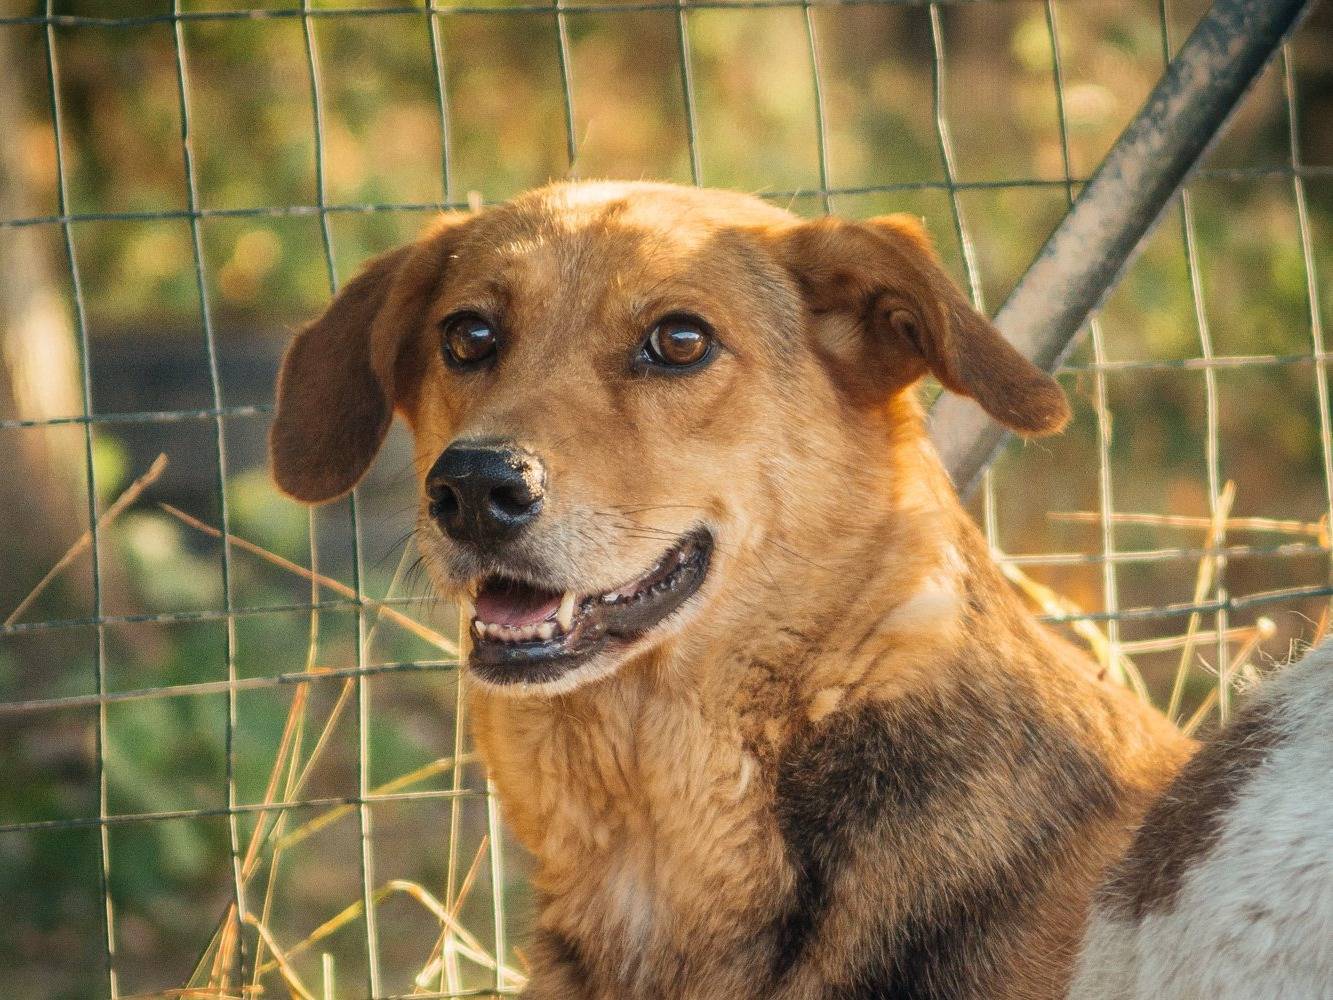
[562, 621]
[565, 616]
[545, 631]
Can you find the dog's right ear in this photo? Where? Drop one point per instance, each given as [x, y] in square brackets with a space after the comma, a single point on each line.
[337, 386]
[881, 279]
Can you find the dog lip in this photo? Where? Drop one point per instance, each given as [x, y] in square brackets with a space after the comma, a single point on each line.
[602, 621]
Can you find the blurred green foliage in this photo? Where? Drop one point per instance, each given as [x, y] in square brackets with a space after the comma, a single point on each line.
[401, 134]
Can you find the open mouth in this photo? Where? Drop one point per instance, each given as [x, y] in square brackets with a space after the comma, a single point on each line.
[525, 634]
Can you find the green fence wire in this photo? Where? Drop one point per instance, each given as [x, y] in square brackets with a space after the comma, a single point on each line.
[1216, 624]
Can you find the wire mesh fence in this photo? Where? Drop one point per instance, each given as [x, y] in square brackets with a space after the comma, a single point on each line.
[232, 730]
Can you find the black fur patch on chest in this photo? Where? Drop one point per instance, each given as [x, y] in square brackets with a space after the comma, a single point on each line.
[885, 777]
[563, 952]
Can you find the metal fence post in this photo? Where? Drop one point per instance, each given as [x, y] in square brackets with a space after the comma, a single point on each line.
[1097, 239]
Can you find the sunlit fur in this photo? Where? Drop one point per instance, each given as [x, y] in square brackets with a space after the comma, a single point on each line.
[853, 765]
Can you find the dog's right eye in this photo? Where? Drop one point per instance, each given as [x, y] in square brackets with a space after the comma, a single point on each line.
[469, 339]
[679, 342]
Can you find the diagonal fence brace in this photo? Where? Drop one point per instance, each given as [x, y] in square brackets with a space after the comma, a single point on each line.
[1106, 225]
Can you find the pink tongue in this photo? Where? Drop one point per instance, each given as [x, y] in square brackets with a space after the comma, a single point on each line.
[512, 603]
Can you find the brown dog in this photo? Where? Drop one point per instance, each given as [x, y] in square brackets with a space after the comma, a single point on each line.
[750, 686]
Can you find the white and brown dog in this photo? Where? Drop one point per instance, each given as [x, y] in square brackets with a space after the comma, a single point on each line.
[1226, 892]
[748, 682]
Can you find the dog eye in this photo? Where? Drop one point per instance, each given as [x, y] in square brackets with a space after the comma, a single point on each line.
[468, 339]
[678, 342]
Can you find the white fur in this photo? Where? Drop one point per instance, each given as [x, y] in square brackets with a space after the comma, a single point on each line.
[936, 602]
[1253, 919]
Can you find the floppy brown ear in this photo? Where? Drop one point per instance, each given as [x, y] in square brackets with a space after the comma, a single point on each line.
[884, 275]
[336, 388]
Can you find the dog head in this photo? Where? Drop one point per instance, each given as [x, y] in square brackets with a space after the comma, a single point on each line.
[617, 391]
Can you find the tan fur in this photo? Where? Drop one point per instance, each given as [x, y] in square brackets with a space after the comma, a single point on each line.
[683, 801]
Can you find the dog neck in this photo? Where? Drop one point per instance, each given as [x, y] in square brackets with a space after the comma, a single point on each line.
[857, 585]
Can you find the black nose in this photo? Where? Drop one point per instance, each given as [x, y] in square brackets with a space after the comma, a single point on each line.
[483, 492]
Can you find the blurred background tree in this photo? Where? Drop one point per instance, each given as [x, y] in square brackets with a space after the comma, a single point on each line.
[39, 364]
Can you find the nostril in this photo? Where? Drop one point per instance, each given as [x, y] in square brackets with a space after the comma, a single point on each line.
[444, 502]
[514, 501]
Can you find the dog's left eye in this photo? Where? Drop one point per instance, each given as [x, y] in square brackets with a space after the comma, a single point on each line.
[468, 338]
[678, 342]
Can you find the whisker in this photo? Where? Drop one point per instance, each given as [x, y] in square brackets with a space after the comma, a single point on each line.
[393, 549]
[662, 506]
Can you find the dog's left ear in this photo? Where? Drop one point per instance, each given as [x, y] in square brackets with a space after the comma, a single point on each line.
[343, 375]
[893, 313]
